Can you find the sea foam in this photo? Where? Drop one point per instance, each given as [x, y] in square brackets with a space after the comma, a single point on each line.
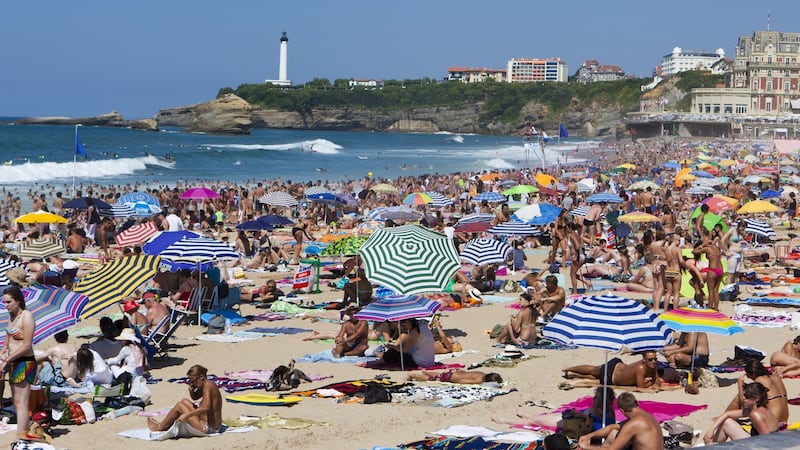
[323, 146]
[31, 172]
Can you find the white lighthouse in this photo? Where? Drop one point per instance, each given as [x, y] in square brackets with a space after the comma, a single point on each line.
[283, 66]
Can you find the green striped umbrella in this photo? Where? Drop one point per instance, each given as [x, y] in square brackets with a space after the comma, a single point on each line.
[410, 259]
[40, 248]
[345, 246]
[116, 280]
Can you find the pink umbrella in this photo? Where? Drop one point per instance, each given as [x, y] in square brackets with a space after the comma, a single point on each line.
[199, 193]
[136, 234]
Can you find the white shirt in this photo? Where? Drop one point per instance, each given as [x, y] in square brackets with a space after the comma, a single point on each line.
[129, 359]
[99, 373]
[175, 222]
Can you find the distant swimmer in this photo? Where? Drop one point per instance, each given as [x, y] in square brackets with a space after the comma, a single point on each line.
[311, 148]
[363, 157]
[321, 169]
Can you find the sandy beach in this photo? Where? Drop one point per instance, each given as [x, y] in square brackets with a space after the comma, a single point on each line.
[357, 426]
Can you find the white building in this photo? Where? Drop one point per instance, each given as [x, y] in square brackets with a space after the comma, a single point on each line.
[682, 60]
[475, 74]
[365, 82]
[531, 70]
[283, 64]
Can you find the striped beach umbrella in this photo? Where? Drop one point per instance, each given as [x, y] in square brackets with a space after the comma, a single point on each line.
[701, 190]
[40, 248]
[700, 320]
[54, 309]
[398, 307]
[136, 234]
[410, 259]
[118, 211]
[140, 197]
[491, 197]
[199, 249]
[278, 198]
[580, 211]
[514, 228]
[759, 228]
[5, 266]
[604, 197]
[485, 251]
[143, 209]
[396, 213]
[438, 200]
[116, 280]
[474, 223]
[316, 190]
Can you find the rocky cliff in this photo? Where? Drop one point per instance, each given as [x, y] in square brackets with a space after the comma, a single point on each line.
[112, 119]
[228, 114]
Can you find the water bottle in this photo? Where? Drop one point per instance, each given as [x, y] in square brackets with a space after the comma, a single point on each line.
[228, 326]
[123, 412]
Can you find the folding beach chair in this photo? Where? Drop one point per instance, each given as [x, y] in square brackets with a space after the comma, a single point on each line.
[159, 341]
[193, 305]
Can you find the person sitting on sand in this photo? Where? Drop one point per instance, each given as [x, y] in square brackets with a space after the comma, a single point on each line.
[92, 369]
[267, 293]
[640, 432]
[352, 337]
[786, 361]
[107, 345]
[205, 416]
[642, 374]
[414, 347]
[136, 319]
[777, 399]
[521, 327]
[442, 343]
[642, 280]
[62, 356]
[358, 290]
[754, 407]
[458, 376]
[689, 350]
[550, 300]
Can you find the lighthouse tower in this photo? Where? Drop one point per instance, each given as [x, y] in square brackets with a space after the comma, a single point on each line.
[283, 67]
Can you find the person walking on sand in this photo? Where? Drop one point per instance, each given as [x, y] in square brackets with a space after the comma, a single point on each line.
[640, 432]
[299, 231]
[205, 416]
[642, 374]
[16, 356]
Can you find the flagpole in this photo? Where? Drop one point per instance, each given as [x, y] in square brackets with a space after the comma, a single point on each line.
[75, 158]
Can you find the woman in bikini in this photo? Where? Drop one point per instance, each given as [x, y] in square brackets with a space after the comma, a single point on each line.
[16, 356]
[754, 407]
[299, 231]
[714, 271]
[521, 327]
[672, 272]
[777, 400]
[458, 376]
[576, 257]
[667, 219]
[655, 247]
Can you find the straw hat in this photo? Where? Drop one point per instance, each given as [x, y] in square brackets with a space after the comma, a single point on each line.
[475, 294]
[130, 306]
[511, 352]
[128, 335]
[18, 276]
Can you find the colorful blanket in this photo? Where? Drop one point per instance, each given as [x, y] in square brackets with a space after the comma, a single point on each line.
[327, 356]
[448, 396]
[229, 385]
[381, 365]
[264, 375]
[472, 443]
[774, 301]
[268, 317]
[350, 387]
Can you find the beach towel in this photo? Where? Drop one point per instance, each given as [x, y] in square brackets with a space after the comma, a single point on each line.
[267, 317]
[471, 443]
[236, 336]
[264, 375]
[327, 356]
[229, 385]
[176, 431]
[569, 384]
[745, 315]
[447, 396]
[381, 365]
[351, 387]
[542, 344]
[774, 301]
[499, 298]
[274, 421]
[466, 431]
[279, 330]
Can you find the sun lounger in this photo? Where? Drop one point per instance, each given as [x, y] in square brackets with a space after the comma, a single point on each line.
[159, 340]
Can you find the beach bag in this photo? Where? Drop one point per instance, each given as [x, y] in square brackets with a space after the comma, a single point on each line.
[743, 352]
[216, 324]
[679, 430]
[70, 413]
[376, 393]
[50, 374]
[140, 390]
[575, 425]
[510, 287]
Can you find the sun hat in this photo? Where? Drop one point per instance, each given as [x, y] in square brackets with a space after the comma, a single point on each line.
[130, 306]
[511, 351]
[18, 276]
[70, 264]
[128, 335]
[474, 294]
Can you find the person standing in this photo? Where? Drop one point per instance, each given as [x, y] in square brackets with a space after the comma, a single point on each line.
[791, 209]
[16, 356]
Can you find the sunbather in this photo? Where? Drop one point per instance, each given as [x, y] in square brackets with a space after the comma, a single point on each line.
[754, 407]
[205, 416]
[521, 327]
[642, 374]
[455, 376]
[777, 398]
[352, 337]
[786, 361]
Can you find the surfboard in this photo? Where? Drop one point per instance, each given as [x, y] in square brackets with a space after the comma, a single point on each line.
[265, 399]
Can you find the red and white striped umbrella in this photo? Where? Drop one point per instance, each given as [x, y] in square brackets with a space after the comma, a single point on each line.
[136, 234]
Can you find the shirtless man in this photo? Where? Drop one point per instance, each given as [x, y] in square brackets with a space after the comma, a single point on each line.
[593, 223]
[551, 299]
[687, 346]
[61, 355]
[352, 337]
[642, 374]
[155, 312]
[786, 361]
[647, 200]
[205, 416]
[640, 432]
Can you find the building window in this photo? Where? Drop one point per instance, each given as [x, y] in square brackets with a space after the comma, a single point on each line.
[769, 85]
[728, 108]
[755, 105]
[755, 85]
[769, 59]
[768, 106]
[708, 108]
[786, 72]
[741, 109]
[716, 108]
[786, 86]
[785, 107]
[769, 72]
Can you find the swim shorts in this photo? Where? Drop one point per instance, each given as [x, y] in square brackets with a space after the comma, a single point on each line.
[700, 361]
[23, 369]
[608, 371]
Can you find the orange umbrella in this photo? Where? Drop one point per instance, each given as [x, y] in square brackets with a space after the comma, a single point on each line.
[491, 176]
[544, 179]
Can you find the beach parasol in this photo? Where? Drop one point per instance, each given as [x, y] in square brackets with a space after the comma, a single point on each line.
[439, 200]
[315, 190]
[491, 197]
[710, 220]
[383, 188]
[397, 308]
[474, 223]
[637, 217]
[118, 211]
[758, 207]
[417, 199]
[254, 225]
[410, 259]
[537, 214]
[143, 209]
[140, 197]
[604, 197]
[40, 248]
[116, 280]
[54, 309]
[701, 190]
[159, 242]
[485, 251]
[770, 193]
[514, 228]
[544, 179]
[700, 320]
[671, 165]
[643, 185]
[759, 228]
[199, 193]
[396, 213]
[727, 162]
[610, 323]
[717, 204]
[136, 234]
[521, 189]
[81, 203]
[490, 176]
[345, 246]
[40, 217]
[702, 174]
[685, 177]
[580, 211]
[278, 198]
[5, 266]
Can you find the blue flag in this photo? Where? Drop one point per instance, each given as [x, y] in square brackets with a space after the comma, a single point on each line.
[562, 131]
[79, 150]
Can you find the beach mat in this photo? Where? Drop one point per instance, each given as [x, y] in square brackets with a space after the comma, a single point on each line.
[774, 301]
[177, 430]
[570, 384]
[327, 356]
[381, 365]
[265, 399]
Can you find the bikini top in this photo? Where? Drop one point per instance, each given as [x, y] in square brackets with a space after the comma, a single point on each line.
[15, 333]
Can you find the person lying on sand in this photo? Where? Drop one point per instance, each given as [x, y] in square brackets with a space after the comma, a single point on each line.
[205, 416]
[786, 361]
[455, 376]
[642, 374]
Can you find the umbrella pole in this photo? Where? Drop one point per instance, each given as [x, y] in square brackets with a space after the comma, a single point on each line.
[605, 377]
[691, 369]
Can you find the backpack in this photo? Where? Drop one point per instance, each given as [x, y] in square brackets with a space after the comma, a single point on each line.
[376, 393]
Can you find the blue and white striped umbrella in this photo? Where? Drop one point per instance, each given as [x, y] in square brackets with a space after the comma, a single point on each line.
[118, 211]
[610, 323]
[485, 251]
[5, 266]
[438, 200]
[513, 228]
[199, 249]
[604, 197]
[316, 190]
[701, 190]
[759, 228]
[140, 197]
[580, 211]
[584, 188]
[491, 197]
[144, 209]
[278, 198]
[397, 213]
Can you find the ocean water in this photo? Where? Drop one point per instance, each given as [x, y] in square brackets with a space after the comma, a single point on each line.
[36, 155]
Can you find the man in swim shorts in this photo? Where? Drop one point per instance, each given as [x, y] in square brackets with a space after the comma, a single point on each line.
[205, 416]
[642, 374]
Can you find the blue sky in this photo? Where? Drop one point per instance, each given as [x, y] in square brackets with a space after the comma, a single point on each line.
[90, 57]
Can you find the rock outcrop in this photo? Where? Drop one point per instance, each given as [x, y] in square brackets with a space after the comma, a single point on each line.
[112, 119]
[228, 114]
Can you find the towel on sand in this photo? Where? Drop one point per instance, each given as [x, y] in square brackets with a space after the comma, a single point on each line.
[177, 430]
